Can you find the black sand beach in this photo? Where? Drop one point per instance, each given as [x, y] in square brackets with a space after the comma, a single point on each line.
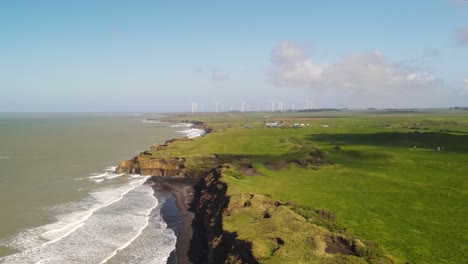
[177, 193]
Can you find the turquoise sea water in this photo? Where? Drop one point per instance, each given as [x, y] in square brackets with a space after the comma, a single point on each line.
[58, 192]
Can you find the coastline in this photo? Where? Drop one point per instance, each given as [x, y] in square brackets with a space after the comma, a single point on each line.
[177, 193]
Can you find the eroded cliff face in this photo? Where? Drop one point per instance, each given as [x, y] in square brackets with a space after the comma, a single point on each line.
[152, 166]
[209, 243]
[157, 166]
[215, 244]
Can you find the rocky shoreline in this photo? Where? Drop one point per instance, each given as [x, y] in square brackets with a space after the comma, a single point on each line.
[200, 200]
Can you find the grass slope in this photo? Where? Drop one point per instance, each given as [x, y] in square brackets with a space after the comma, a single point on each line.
[412, 202]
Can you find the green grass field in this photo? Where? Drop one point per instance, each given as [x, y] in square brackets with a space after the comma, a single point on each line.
[384, 181]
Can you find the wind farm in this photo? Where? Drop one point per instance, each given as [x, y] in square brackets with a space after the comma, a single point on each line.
[244, 106]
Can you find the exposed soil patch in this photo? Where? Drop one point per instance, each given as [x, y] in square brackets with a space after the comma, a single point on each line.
[227, 158]
[278, 243]
[302, 163]
[326, 214]
[248, 170]
[340, 244]
[276, 166]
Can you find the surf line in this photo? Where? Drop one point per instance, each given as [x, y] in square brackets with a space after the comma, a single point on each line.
[82, 220]
[132, 239]
[114, 176]
[61, 237]
[98, 176]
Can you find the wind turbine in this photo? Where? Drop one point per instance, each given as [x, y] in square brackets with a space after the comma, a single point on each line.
[242, 107]
[308, 104]
[194, 108]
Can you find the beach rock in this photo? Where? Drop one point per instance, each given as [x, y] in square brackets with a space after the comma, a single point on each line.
[147, 165]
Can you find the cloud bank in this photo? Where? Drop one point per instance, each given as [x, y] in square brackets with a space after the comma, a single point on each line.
[369, 72]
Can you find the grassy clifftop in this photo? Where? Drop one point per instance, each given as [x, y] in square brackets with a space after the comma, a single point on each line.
[350, 184]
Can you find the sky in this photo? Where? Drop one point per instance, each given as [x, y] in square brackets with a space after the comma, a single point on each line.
[162, 56]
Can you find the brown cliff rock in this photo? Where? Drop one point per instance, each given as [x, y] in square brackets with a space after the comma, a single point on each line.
[153, 166]
[148, 165]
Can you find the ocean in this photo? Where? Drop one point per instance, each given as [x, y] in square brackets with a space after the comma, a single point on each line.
[60, 200]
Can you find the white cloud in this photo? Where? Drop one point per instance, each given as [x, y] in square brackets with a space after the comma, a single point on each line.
[299, 73]
[286, 53]
[365, 72]
[218, 76]
[462, 36]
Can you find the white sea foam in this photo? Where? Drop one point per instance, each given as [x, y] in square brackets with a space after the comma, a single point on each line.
[150, 121]
[97, 180]
[111, 168]
[126, 244]
[101, 227]
[95, 175]
[182, 125]
[138, 251]
[64, 235]
[101, 199]
[109, 174]
[5, 157]
[193, 132]
[113, 175]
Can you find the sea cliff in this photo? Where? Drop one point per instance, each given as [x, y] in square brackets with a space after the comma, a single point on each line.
[209, 205]
[154, 163]
[217, 245]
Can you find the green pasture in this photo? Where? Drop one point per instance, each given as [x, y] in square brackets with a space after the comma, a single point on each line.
[384, 180]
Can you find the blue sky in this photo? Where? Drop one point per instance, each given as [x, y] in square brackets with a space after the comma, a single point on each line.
[164, 55]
